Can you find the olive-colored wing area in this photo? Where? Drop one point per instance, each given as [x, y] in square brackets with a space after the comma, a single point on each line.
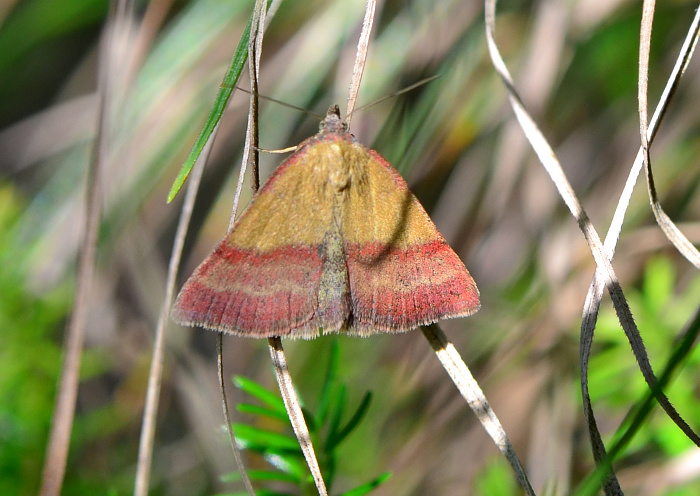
[402, 273]
[263, 279]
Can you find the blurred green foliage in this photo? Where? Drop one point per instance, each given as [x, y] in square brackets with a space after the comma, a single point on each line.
[30, 354]
[328, 424]
[40, 41]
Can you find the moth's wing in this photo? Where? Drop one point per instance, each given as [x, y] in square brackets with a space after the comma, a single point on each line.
[263, 279]
[402, 272]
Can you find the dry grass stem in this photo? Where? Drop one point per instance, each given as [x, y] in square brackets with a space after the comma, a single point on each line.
[360, 59]
[296, 416]
[64, 408]
[155, 375]
[605, 270]
[472, 393]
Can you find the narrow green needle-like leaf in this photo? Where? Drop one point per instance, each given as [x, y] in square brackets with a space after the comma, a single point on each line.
[367, 487]
[227, 87]
[259, 392]
[261, 475]
[325, 398]
[254, 438]
[262, 411]
[288, 463]
[335, 415]
[352, 423]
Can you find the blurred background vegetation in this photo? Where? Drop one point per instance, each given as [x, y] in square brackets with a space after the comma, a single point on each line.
[456, 142]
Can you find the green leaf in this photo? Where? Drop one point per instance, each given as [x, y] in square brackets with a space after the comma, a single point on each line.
[288, 464]
[353, 422]
[368, 486]
[262, 411]
[329, 382]
[335, 416]
[265, 395]
[257, 439]
[262, 475]
[283, 452]
[227, 87]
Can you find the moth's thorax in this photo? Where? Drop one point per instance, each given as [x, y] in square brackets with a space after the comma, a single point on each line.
[337, 164]
[339, 170]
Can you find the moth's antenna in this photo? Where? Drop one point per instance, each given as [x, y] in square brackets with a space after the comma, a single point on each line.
[400, 92]
[362, 107]
[284, 104]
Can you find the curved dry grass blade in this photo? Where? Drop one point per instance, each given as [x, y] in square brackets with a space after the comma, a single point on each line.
[227, 415]
[470, 390]
[548, 159]
[595, 291]
[254, 51]
[685, 344]
[254, 54]
[647, 134]
[296, 416]
[643, 78]
[64, 409]
[610, 484]
[551, 164]
[679, 240]
[643, 407]
[155, 374]
[360, 59]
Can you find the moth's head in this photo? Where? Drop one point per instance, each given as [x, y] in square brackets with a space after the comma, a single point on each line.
[332, 123]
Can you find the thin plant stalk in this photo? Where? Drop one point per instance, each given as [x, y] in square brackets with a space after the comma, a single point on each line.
[64, 409]
[251, 145]
[360, 59]
[155, 375]
[604, 270]
[472, 393]
[296, 416]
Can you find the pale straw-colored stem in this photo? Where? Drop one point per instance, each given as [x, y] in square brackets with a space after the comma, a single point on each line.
[472, 393]
[296, 416]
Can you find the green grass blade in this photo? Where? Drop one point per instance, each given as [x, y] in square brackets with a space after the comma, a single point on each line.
[261, 475]
[329, 381]
[257, 439]
[262, 411]
[367, 487]
[287, 463]
[227, 87]
[335, 414]
[256, 390]
[352, 423]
